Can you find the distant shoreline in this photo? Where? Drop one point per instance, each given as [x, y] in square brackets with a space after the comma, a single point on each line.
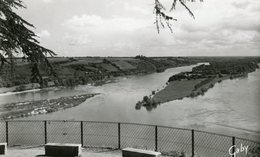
[73, 71]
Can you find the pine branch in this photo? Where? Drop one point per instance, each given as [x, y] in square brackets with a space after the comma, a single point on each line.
[190, 12]
[162, 18]
[173, 5]
[15, 37]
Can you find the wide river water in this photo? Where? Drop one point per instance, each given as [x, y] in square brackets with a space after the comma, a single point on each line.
[231, 107]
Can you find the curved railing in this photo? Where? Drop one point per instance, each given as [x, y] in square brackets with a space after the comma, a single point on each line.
[168, 140]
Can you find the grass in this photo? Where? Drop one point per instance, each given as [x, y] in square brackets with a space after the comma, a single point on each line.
[185, 88]
[84, 70]
[108, 67]
[176, 90]
[123, 65]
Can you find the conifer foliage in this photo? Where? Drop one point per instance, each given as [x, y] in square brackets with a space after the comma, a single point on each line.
[17, 38]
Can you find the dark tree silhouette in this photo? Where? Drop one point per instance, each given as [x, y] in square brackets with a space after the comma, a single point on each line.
[17, 38]
[161, 18]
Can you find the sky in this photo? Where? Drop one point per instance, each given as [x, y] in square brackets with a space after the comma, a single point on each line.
[126, 28]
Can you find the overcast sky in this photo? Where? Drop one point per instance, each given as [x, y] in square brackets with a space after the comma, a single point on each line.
[126, 28]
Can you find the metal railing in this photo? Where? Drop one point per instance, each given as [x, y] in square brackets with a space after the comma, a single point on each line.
[168, 140]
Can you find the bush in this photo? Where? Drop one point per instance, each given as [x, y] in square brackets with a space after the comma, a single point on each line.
[146, 98]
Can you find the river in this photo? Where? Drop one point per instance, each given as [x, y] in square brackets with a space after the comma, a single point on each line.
[231, 107]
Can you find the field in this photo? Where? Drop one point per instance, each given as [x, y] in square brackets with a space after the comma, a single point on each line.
[176, 90]
[72, 71]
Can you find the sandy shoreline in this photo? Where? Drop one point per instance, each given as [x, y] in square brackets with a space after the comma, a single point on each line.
[31, 108]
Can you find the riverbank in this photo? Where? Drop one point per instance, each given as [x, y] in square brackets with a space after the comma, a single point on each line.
[72, 71]
[221, 110]
[31, 108]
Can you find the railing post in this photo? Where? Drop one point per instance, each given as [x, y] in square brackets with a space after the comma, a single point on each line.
[119, 136]
[233, 144]
[45, 132]
[192, 143]
[81, 133]
[156, 138]
[6, 132]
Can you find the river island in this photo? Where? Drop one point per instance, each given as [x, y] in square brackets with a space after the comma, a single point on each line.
[73, 71]
[198, 81]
